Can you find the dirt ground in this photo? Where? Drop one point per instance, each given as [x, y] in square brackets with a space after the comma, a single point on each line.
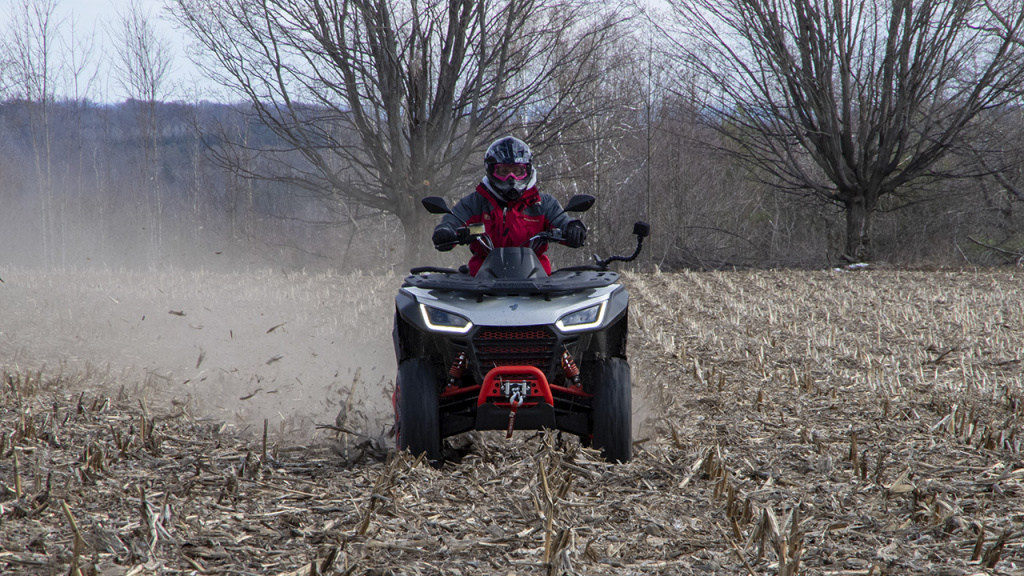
[828, 422]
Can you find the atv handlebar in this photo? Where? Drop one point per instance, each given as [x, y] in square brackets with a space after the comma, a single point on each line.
[475, 233]
[470, 233]
[553, 235]
[640, 229]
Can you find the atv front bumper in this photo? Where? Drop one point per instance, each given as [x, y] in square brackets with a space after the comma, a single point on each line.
[532, 408]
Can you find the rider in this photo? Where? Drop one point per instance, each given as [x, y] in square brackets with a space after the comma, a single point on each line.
[510, 206]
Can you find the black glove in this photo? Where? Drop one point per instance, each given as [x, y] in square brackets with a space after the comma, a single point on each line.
[575, 234]
[444, 238]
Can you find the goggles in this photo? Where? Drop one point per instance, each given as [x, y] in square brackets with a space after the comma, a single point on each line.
[515, 171]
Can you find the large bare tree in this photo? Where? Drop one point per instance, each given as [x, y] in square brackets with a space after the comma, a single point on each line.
[850, 101]
[381, 102]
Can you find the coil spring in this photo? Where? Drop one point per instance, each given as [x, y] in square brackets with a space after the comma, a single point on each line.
[572, 372]
[457, 369]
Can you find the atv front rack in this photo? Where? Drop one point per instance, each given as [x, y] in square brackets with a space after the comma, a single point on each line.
[559, 281]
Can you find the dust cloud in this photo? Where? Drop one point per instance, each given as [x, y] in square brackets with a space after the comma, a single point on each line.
[242, 347]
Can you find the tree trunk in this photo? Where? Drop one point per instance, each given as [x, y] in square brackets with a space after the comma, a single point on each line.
[418, 225]
[858, 230]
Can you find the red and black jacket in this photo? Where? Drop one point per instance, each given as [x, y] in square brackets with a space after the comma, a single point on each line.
[508, 225]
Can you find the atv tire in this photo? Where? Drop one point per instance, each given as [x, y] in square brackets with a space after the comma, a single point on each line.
[418, 416]
[613, 410]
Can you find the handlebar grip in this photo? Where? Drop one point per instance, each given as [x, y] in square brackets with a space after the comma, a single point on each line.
[464, 236]
[553, 235]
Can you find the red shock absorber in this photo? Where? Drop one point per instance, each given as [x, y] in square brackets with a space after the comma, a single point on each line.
[457, 369]
[572, 372]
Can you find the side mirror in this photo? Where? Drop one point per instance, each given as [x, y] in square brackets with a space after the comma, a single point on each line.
[580, 203]
[436, 205]
[642, 229]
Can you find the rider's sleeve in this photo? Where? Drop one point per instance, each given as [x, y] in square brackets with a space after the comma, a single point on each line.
[467, 210]
[553, 213]
[448, 221]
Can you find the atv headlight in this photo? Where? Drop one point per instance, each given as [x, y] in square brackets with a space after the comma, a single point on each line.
[444, 321]
[582, 319]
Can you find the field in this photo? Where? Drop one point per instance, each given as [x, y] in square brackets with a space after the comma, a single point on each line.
[829, 422]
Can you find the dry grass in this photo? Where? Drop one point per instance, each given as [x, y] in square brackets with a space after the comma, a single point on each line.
[882, 408]
[818, 422]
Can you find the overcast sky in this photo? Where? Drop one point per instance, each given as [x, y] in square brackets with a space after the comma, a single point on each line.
[93, 17]
[89, 10]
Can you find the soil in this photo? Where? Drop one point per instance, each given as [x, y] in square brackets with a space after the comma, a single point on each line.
[786, 422]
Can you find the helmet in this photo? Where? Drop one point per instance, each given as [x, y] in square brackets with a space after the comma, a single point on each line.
[509, 167]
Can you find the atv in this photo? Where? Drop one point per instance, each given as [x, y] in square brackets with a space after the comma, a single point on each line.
[513, 348]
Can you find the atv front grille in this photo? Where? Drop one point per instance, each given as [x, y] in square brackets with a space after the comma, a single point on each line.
[519, 333]
[526, 346]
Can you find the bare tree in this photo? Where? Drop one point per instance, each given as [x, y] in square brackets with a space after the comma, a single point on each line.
[1007, 133]
[31, 48]
[850, 101]
[381, 102]
[80, 72]
[141, 69]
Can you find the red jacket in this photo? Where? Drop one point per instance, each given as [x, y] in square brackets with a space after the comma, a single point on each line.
[508, 226]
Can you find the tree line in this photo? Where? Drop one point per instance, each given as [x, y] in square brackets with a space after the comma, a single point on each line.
[764, 134]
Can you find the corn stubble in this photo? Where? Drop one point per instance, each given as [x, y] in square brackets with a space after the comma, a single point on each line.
[788, 422]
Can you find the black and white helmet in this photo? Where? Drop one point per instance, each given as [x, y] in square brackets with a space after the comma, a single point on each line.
[509, 166]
